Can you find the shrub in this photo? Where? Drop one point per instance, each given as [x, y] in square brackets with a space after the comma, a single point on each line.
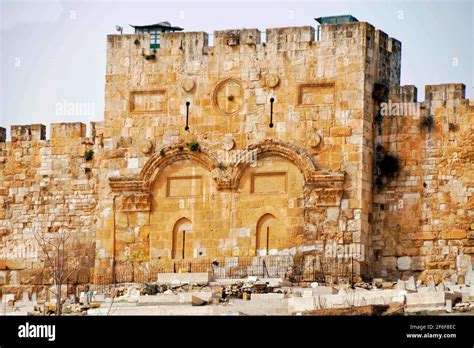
[136, 42]
[194, 146]
[162, 152]
[386, 166]
[453, 127]
[389, 166]
[380, 92]
[87, 170]
[88, 155]
[426, 122]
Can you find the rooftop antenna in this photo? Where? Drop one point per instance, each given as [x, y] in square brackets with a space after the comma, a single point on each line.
[119, 28]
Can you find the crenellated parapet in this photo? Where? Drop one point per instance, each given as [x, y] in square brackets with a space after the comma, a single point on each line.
[58, 132]
[28, 132]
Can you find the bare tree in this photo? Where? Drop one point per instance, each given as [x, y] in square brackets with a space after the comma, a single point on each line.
[61, 259]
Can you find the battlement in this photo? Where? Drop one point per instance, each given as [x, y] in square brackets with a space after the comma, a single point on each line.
[184, 40]
[68, 130]
[189, 42]
[28, 132]
[36, 132]
[446, 91]
[403, 94]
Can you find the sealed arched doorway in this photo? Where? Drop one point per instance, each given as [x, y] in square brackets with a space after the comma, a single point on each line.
[183, 239]
[266, 235]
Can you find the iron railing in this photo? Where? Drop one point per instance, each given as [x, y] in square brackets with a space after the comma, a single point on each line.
[307, 268]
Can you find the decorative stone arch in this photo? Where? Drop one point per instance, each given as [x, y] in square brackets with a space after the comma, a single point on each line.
[175, 153]
[270, 147]
[322, 187]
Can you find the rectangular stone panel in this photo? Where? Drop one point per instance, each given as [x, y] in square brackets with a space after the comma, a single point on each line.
[148, 101]
[274, 182]
[184, 186]
[317, 94]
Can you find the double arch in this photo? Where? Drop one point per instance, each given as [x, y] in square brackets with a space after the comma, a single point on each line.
[227, 178]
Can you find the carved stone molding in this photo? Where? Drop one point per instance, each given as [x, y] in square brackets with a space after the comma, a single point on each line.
[126, 183]
[228, 178]
[323, 197]
[134, 202]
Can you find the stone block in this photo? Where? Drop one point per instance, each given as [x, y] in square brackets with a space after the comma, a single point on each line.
[411, 284]
[428, 301]
[404, 263]
[341, 131]
[172, 278]
[453, 234]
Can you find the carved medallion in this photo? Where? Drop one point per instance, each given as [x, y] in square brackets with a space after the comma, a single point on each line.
[228, 143]
[228, 97]
[315, 140]
[146, 146]
[188, 84]
[272, 80]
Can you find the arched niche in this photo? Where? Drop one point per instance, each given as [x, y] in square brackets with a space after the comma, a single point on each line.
[183, 239]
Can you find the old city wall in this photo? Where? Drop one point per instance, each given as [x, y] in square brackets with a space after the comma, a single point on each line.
[45, 188]
[422, 220]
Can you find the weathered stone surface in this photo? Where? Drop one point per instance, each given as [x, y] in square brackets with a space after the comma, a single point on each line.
[404, 263]
[430, 301]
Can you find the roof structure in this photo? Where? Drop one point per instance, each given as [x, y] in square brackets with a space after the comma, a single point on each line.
[336, 19]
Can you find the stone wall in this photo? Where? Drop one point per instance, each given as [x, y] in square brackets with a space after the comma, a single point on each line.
[45, 187]
[423, 217]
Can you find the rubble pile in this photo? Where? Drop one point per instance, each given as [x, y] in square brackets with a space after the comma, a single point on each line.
[253, 296]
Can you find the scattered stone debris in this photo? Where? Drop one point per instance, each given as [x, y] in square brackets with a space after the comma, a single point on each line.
[254, 296]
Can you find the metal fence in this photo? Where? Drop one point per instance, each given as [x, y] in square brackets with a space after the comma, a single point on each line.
[307, 268]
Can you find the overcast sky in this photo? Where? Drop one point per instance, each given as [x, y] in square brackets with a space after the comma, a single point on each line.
[52, 53]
